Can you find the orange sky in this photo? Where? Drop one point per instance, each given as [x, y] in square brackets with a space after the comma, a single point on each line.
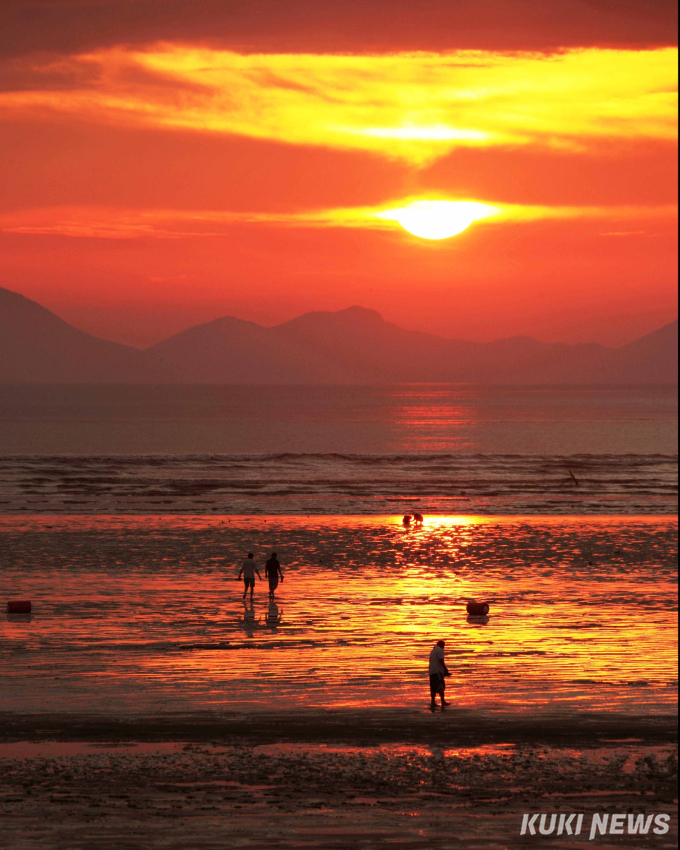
[167, 163]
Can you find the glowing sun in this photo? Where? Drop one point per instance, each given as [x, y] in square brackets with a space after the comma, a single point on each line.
[438, 219]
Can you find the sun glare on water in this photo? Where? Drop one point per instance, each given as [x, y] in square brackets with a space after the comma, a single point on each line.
[438, 219]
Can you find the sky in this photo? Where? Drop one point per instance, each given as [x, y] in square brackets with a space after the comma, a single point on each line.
[168, 163]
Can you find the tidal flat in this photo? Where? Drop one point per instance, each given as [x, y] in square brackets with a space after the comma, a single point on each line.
[145, 704]
[231, 792]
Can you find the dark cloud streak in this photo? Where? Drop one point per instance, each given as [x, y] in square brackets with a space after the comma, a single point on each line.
[67, 26]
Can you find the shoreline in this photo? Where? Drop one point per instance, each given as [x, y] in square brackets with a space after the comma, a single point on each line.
[454, 726]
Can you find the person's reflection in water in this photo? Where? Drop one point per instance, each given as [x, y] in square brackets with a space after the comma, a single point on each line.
[248, 622]
[273, 616]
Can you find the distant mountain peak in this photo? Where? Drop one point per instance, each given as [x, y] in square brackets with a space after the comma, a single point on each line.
[15, 300]
[351, 317]
[350, 346]
[38, 347]
[361, 312]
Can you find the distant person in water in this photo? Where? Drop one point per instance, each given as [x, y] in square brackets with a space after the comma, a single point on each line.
[438, 670]
[407, 519]
[248, 571]
[418, 519]
[272, 571]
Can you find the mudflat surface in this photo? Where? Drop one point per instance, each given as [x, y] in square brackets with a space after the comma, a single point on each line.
[329, 779]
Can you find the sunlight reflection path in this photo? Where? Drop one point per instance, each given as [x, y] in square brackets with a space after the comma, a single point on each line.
[144, 613]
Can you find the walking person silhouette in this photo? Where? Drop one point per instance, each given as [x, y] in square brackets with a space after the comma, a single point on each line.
[272, 571]
[248, 571]
[438, 670]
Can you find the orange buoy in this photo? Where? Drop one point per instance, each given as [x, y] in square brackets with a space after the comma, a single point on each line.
[19, 606]
[478, 609]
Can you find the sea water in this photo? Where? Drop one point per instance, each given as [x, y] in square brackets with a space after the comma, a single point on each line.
[127, 513]
[145, 614]
[338, 450]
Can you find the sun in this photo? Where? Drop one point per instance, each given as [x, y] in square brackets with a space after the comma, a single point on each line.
[438, 219]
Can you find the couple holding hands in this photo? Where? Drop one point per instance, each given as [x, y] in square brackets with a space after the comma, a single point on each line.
[272, 571]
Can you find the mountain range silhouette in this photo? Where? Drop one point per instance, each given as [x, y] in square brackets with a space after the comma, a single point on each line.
[352, 346]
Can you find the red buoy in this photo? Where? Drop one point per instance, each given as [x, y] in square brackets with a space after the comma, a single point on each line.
[19, 606]
[478, 609]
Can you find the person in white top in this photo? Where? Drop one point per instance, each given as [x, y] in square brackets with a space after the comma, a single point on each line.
[248, 571]
[438, 670]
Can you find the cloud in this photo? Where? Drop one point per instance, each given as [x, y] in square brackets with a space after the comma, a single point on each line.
[357, 26]
[112, 223]
[411, 107]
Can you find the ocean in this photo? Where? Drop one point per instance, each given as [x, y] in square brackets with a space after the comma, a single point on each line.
[435, 449]
[126, 513]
